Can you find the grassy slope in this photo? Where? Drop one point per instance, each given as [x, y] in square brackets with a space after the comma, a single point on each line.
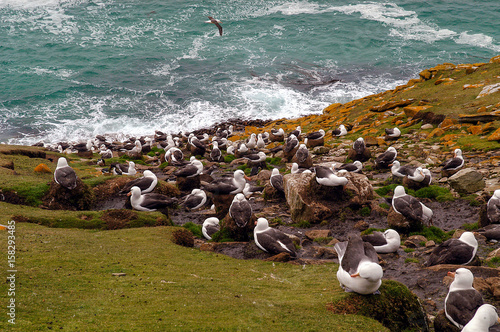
[65, 280]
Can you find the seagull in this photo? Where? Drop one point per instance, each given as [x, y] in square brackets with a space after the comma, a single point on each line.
[148, 202]
[359, 270]
[462, 300]
[225, 186]
[210, 227]
[195, 200]
[64, 175]
[272, 240]
[277, 135]
[240, 210]
[296, 169]
[410, 207]
[276, 180]
[261, 144]
[486, 316]
[454, 163]
[493, 207]
[216, 154]
[302, 154]
[190, 170]
[252, 142]
[392, 133]
[385, 159]
[146, 183]
[216, 22]
[383, 243]
[175, 156]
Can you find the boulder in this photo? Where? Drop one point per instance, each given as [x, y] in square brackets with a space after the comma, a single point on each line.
[312, 202]
[188, 184]
[467, 181]
[61, 198]
[40, 168]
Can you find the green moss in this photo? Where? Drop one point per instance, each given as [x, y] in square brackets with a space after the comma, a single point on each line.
[274, 161]
[411, 260]
[471, 227]
[229, 158]
[385, 206]
[409, 250]
[438, 193]
[434, 233]
[323, 240]
[194, 228]
[222, 236]
[371, 230]
[365, 211]
[493, 262]
[163, 165]
[33, 194]
[302, 224]
[396, 307]
[383, 191]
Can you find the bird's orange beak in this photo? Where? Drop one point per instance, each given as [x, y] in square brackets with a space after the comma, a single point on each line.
[390, 165]
[246, 177]
[129, 194]
[354, 275]
[451, 274]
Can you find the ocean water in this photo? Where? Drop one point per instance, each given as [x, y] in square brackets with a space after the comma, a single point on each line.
[72, 69]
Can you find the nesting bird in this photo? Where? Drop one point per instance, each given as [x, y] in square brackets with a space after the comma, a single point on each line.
[359, 270]
[399, 171]
[340, 131]
[354, 167]
[277, 135]
[225, 186]
[493, 208]
[148, 202]
[316, 138]
[455, 163]
[359, 151]
[410, 207]
[194, 168]
[272, 240]
[124, 169]
[459, 251]
[146, 183]
[326, 177]
[276, 180]
[195, 200]
[291, 146]
[240, 210]
[216, 154]
[392, 133]
[303, 157]
[210, 227]
[64, 175]
[486, 316]
[383, 243]
[385, 159]
[462, 299]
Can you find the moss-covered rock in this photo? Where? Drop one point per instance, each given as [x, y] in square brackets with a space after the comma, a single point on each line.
[396, 307]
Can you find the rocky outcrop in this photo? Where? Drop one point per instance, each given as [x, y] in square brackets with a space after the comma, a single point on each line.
[467, 181]
[311, 202]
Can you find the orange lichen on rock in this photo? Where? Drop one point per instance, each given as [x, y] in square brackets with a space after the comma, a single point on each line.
[495, 136]
[411, 111]
[436, 132]
[475, 130]
[42, 168]
[447, 123]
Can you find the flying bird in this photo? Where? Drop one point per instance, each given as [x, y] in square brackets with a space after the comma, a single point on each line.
[216, 22]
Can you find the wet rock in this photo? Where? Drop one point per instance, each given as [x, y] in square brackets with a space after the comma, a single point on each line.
[325, 253]
[361, 225]
[320, 150]
[365, 156]
[467, 181]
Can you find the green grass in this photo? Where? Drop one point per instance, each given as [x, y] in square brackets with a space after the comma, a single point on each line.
[194, 228]
[65, 282]
[438, 193]
[412, 260]
[494, 262]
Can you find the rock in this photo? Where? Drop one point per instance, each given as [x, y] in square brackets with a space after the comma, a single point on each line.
[467, 181]
[495, 136]
[239, 233]
[361, 225]
[426, 74]
[9, 164]
[317, 233]
[222, 204]
[298, 196]
[442, 324]
[371, 141]
[430, 126]
[489, 89]
[399, 223]
[42, 168]
[396, 307]
[319, 150]
[359, 188]
[430, 244]
[325, 253]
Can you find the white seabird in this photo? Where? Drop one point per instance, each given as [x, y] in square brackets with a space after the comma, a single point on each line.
[486, 316]
[462, 299]
[64, 175]
[383, 243]
[240, 210]
[410, 207]
[359, 270]
[272, 240]
[459, 251]
[210, 227]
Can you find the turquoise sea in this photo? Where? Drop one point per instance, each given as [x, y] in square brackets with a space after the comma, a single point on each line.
[72, 69]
